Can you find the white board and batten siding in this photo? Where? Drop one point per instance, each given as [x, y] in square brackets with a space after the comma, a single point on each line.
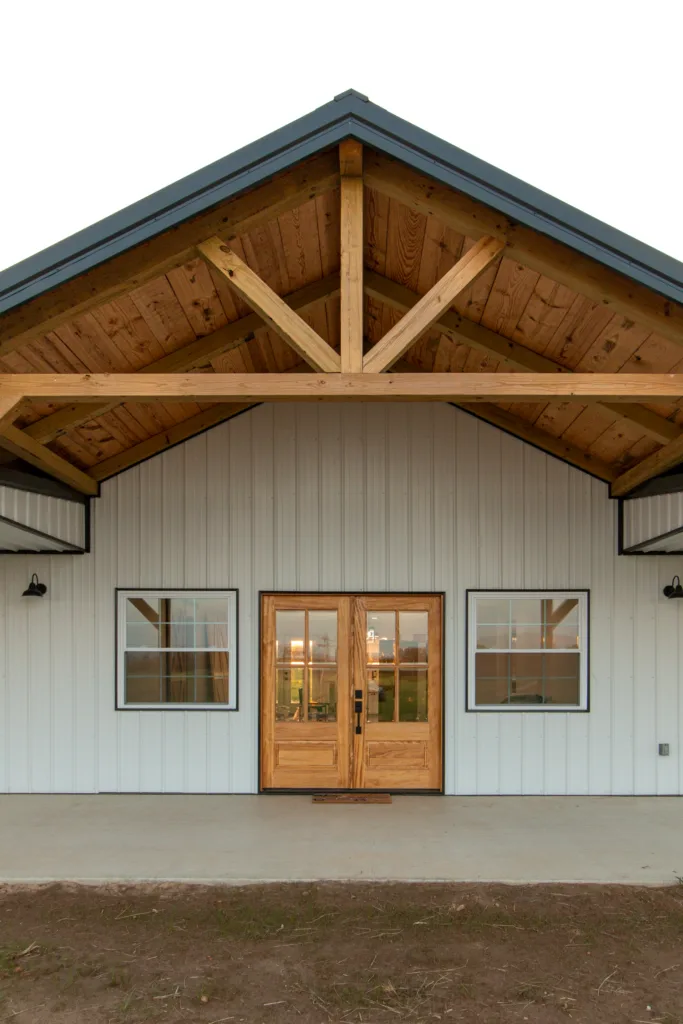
[374, 497]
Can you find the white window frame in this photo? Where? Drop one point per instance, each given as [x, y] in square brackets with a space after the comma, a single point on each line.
[121, 647]
[583, 598]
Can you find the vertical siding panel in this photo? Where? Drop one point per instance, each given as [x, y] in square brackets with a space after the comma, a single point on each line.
[128, 575]
[105, 554]
[354, 524]
[557, 558]
[398, 531]
[421, 491]
[600, 728]
[195, 497]
[19, 733]
[644, 664]
[667, 661]
[535, 576]
[490, 577]
[375, 537]
[40, 695]
[174, 753]
[466, 476]
[624, 626]
[63, 741]
[444, 552]
[512, 576]
[151, 570]
[580, 577]
[331, 481]
[242, 748]
[286, 553]
[219, 574]
[308, 498]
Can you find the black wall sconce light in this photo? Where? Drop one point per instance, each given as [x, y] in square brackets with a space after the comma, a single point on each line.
[38, 589]
[673, 589]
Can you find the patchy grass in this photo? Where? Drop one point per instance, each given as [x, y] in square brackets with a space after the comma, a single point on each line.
[318, 954]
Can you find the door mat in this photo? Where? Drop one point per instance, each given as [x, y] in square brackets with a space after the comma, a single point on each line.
[352, 798]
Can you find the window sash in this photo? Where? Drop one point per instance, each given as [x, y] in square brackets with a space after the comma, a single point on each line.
[123, 648]
[580, 650]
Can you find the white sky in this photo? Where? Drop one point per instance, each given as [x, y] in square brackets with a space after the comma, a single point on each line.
[104, 103]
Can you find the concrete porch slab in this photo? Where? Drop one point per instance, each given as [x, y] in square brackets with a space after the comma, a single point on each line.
[241, 839]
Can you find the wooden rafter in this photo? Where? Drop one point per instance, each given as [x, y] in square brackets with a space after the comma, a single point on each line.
[168, 250]
[540, 439]
[667, 457]
[158, 443]
[189, 357]
[460, 329]
[429, 308]
[466, 387]
[535, 250]
[268, 304]
[351, 255]
[24, 447]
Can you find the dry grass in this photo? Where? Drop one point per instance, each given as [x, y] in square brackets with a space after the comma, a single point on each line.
[317, 954]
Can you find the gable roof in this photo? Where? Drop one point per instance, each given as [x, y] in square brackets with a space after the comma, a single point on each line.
[349, 114]
[568, 293]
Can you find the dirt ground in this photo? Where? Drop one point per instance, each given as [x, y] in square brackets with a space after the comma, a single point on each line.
[315, 954]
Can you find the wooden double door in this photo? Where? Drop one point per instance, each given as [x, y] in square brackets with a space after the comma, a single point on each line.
[351, 691]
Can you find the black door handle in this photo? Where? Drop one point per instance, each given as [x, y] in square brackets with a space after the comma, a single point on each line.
[358, 708]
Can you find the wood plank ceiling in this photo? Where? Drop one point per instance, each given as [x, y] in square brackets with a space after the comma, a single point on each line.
[171, 314]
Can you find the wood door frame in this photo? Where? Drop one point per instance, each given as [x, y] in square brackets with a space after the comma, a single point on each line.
[352, 593]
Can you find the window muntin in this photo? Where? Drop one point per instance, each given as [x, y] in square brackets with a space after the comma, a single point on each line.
[306, 665]
[528, 651]
[177, 649]
[397, 662]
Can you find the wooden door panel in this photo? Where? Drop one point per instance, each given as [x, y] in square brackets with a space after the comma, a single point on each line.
[308, 753]
[304, 753]
[398, 754]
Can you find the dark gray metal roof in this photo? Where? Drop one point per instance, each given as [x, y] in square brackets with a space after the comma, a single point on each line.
[349, 114]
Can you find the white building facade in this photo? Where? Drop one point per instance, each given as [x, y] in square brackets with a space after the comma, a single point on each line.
[344, 498]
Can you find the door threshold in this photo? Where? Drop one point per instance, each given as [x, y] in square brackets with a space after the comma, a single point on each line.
[352, 798]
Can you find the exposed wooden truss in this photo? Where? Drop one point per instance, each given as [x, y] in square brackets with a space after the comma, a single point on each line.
[256, 387]
[345, 374]
[351, 256]
[168, 250]
[270, 307]
[196, 354]
[428, 309]
[531, 248]
[460, 329]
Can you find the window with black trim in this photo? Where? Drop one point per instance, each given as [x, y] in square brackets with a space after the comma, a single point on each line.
[527, 650]
[177, 649]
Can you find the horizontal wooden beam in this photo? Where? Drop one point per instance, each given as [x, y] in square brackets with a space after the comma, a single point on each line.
[461, 330]
[24, 447]
[429, 307]
[535, 250]
[167, 439]
[466, 387]
[189, 357]
[268, 304]
[171, 249]
[540, 439]
[666, 458]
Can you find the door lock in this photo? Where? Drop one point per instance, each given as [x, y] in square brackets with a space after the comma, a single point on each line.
[358, 709]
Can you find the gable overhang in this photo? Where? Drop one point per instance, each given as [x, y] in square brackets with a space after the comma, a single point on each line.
[349, 115]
